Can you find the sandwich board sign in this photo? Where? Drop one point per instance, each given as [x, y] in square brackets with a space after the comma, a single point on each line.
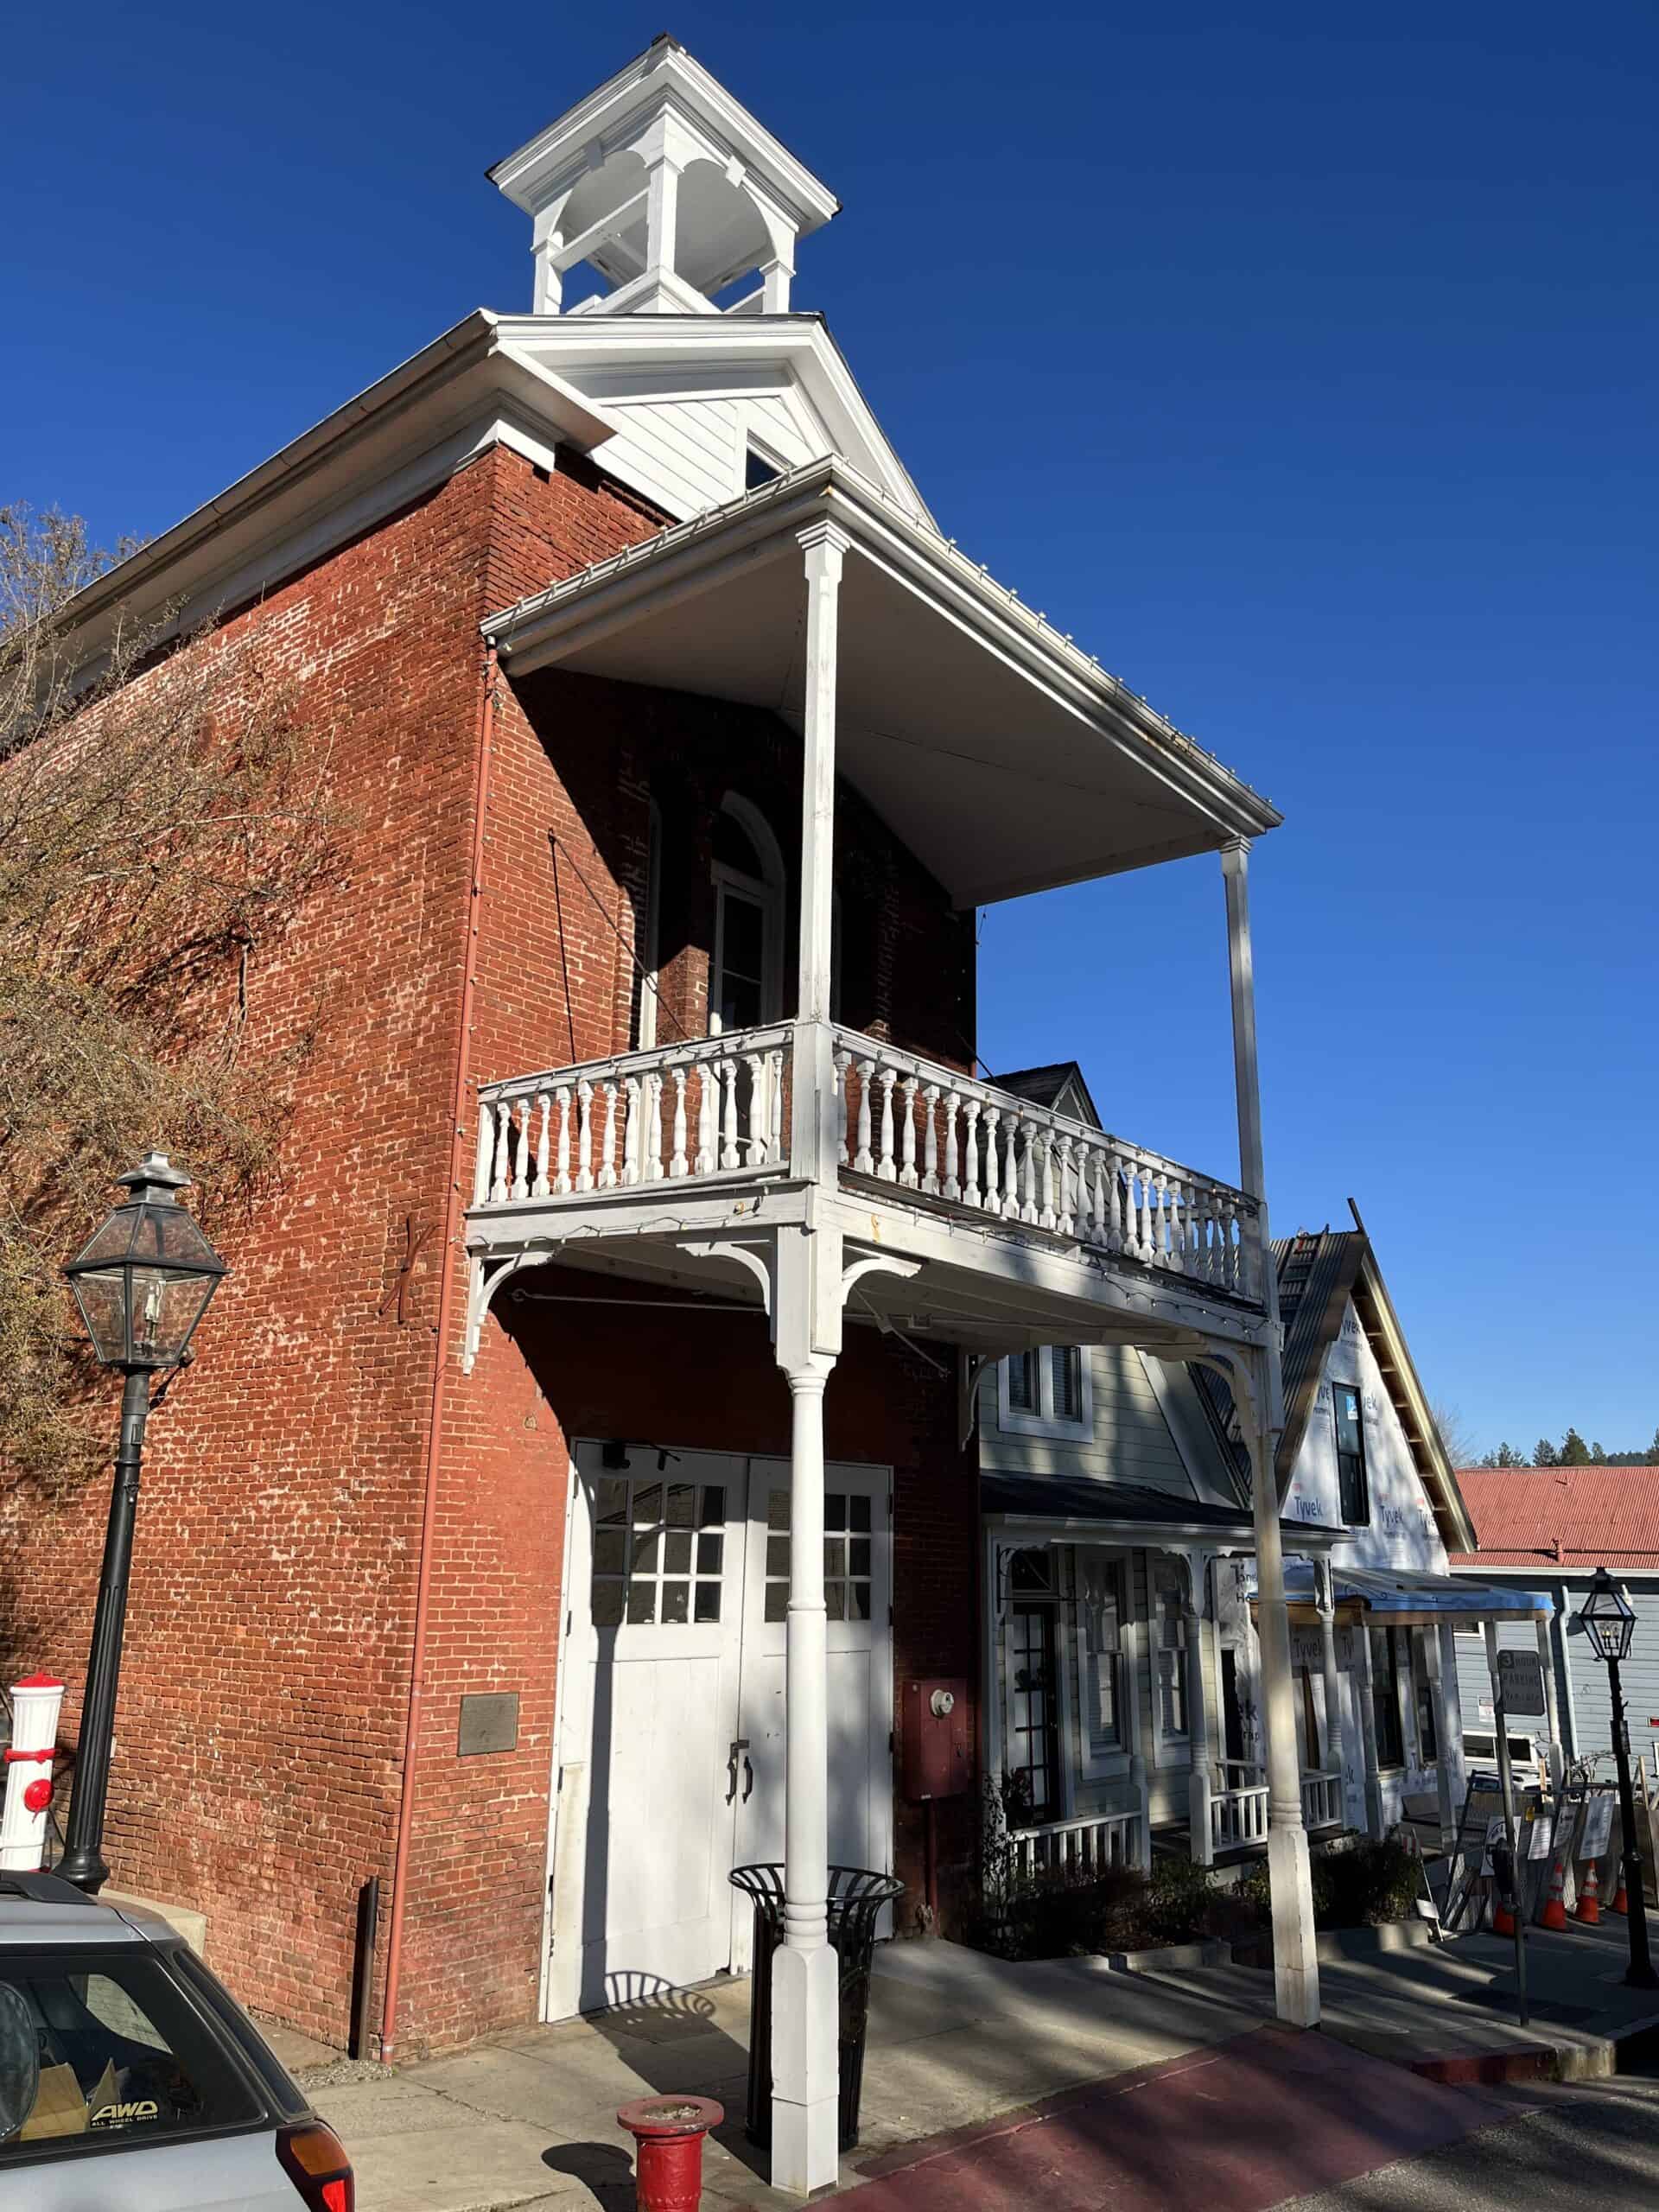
[1520, 1681]
[1597, 1834]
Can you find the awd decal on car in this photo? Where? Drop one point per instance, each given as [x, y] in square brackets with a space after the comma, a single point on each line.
[120, 2115]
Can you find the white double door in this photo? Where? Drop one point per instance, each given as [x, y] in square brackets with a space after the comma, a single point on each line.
[673, 1714]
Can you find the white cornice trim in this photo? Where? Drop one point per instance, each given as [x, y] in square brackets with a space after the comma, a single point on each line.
[664, 71]
[405, 432]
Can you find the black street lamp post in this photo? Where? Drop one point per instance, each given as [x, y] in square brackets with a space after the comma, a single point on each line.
[1608, 1619]
[141, 1284]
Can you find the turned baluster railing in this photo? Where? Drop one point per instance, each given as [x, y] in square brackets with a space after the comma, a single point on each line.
[713, 1106]
[937, 1132]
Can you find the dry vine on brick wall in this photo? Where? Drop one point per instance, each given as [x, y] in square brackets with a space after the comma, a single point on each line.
[163, 819]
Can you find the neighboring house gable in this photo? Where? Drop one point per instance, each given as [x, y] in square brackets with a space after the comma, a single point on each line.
[1341, 1331]
[1398, 1526]
[1126, 1434]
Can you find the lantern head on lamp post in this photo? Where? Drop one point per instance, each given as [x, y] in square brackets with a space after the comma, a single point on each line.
[1608, 1619]
[144, 1279]
[142, 1283]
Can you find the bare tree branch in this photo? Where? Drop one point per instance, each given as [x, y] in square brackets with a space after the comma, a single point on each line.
[163, 819]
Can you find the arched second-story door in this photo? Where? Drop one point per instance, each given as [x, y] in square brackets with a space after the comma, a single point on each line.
[746, 973]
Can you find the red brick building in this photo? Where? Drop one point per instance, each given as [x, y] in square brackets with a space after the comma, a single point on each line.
[645, 1165]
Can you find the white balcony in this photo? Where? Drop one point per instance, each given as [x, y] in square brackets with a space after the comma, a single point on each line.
[1028, 1225]
[937, 1133]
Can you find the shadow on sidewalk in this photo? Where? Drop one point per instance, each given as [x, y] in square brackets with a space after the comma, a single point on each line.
[673, 2039]
[606, 2172]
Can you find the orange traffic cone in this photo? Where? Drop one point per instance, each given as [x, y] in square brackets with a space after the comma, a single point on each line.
[1554, 1912]
[1502, 1918]
[1621, 1903]
[1589, 1909]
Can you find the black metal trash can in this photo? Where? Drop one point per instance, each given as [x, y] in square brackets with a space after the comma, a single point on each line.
[856, 1897]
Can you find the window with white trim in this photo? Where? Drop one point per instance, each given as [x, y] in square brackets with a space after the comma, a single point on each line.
[1032, 1658]
[1046, 1392]
[1353, 1490]
[1103, 1660]
[746, 975]
[1169, 1647]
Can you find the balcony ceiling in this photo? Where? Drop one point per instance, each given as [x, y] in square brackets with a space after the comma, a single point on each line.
[1004, 759]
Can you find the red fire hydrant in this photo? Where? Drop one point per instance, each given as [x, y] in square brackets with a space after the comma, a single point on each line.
[669, 2132]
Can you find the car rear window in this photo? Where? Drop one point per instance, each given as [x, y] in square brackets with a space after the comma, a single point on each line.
[125, 2055]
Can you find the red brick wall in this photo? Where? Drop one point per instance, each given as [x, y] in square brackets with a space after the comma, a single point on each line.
[266, 1677]
[267, 1681]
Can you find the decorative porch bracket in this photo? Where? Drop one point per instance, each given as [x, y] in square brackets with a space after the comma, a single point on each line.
[485, 1273]
[971, 1366]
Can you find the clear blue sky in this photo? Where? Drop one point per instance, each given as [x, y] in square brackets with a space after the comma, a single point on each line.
[1305, 369]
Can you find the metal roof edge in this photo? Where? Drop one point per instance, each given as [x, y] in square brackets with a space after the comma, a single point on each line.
[768, 509]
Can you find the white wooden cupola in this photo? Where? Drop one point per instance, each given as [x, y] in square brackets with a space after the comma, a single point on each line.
[667, 187]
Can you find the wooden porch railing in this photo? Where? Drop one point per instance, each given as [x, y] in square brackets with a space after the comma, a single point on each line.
[1238, 1813]
[719, 1106]
[713, 1107]
[1238, 1817]
[1083, 1847]
[1322, 1798]
[929, 1129]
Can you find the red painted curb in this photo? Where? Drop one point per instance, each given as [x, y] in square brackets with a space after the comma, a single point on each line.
[1486, 2067]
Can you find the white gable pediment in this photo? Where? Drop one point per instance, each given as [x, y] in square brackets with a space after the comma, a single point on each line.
[688, 396]
[1400, 1529]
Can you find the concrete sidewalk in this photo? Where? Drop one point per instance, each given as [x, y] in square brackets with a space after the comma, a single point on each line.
[957, 2041]
[1450, 2010]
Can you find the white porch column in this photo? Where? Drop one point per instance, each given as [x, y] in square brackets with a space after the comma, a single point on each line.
[1367, 1704]
[809, 1276]
[1552, 1708]
[806, 1332]
[1137, 1643]
[1434, 1656]
[813, 1132]
[1325, 1590]
[1296, 1969]
[1197, 1714]
[805, 2001]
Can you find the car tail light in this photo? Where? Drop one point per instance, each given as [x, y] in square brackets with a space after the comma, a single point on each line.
[313, 2158]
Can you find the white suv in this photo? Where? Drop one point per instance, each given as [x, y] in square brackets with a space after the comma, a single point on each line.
[132, 2081]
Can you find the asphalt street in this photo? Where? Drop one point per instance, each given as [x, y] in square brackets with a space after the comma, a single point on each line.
[1587, 2148]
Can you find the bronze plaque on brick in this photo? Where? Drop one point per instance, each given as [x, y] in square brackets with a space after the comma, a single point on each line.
[489, 1722]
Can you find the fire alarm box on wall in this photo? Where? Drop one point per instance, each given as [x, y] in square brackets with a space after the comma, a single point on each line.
[938, 1759]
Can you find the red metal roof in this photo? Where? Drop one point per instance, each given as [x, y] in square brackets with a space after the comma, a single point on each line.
[1570, 1516]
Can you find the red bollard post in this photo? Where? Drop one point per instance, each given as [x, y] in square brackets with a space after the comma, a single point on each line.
[669, 2132]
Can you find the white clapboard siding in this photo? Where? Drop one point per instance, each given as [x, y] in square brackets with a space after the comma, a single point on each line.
[1131, 1440]
[688, 455]
[1475, 1681]
[685, 455]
